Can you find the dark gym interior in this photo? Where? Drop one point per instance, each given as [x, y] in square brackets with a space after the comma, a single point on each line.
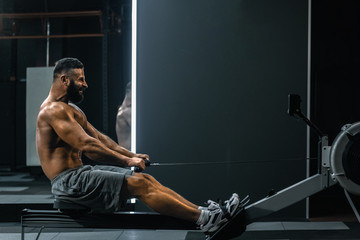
[213, 79]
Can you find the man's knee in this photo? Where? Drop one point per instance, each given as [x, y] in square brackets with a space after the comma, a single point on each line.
[149, 177]
[138, 185]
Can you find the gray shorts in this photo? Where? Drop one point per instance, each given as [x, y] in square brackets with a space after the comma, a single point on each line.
[96, 187]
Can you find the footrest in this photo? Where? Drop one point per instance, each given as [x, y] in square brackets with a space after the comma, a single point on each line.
[234, 228]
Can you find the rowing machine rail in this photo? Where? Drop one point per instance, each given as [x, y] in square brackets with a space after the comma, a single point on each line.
[292, 194]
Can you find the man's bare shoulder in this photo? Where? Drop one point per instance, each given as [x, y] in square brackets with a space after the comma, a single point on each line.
[49, 110]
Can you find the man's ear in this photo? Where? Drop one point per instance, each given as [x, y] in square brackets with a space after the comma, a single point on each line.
[64, 80]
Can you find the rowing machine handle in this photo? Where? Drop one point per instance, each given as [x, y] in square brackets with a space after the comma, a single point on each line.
[147, 164]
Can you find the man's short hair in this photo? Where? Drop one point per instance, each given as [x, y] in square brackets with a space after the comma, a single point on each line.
[65, 65]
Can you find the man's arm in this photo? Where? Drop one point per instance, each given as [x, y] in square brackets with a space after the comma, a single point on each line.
[61, 119]
[111, 144]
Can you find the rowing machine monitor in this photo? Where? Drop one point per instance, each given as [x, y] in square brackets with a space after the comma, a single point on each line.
[294, 101]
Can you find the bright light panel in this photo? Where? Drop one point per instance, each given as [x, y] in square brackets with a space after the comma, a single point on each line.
[133, 74]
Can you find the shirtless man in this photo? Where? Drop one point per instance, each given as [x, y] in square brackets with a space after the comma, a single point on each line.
[123, 120]
[63, 134]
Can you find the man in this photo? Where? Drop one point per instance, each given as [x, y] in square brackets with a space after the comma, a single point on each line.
[63, 134]
[123, 120]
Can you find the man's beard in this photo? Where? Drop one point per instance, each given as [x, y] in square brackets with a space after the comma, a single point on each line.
[73, 93]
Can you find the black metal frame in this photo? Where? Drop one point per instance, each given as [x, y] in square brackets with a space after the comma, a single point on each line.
[119, 220]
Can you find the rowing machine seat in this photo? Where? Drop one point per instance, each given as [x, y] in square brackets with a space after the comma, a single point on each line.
[69, 207]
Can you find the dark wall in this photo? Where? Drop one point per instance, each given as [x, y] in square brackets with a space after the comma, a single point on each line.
[7, 128]
[335, 64]
[213, 80]
[335, 84]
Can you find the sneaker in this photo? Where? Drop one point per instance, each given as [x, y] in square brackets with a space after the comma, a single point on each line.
[232, 204]
[229, 207]
[216, 219]
[210, 205]
[220, 213]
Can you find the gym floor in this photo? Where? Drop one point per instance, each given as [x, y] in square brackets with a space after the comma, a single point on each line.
[20, 190]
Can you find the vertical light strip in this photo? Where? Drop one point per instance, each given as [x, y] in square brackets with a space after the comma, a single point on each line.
[47, 42]
[308, 102]
[133, 74]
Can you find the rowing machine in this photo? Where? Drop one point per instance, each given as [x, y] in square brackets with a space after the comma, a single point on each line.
[337, 163]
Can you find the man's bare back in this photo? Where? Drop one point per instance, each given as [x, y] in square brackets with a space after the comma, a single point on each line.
[55, 154]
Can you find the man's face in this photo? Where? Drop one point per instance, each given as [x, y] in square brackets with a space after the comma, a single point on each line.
[77, 86]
